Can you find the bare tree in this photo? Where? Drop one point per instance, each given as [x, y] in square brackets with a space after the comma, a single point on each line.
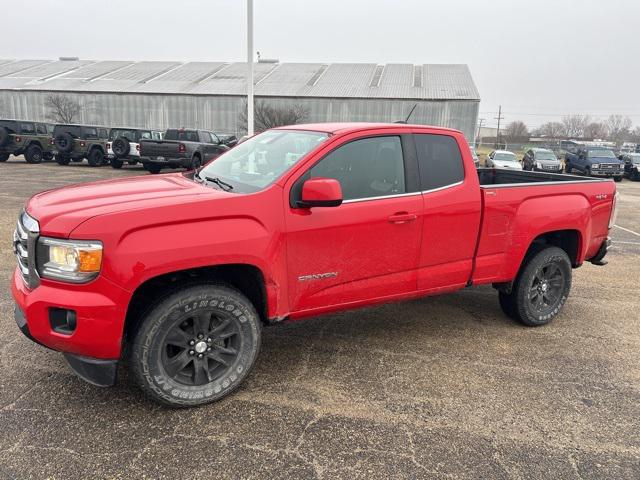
[634, 136]
[551, 129]
[619, 127]
[596, 130]
[574, 125]
[62, 109]
[516, 130]
[268, 116]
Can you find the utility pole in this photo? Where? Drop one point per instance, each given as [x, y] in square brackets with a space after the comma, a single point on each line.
[479, 133]
[249, 67]
[499, 117]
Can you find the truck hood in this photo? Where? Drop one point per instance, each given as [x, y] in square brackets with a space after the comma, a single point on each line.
[61, 210]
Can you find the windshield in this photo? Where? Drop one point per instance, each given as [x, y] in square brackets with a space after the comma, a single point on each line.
[505, 157]
[262, 159]
[128, 134]
[600, 154]
[545, 156]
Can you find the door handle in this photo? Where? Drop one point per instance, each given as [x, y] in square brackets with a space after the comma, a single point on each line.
[402, 217]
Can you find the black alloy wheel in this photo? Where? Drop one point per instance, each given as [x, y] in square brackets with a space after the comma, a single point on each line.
[200, 348]
[546, 288]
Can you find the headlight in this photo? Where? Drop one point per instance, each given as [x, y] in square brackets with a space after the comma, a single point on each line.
[74, 261]
[595, 165]
[539, 164]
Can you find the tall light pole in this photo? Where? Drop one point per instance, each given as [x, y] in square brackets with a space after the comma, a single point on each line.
[249, 67]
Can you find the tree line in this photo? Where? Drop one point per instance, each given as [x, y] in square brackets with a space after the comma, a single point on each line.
[616, 128]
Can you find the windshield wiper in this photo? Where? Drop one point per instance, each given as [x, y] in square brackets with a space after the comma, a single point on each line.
[220, 183]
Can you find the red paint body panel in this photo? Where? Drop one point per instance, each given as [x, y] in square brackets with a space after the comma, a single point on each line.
[314, 260]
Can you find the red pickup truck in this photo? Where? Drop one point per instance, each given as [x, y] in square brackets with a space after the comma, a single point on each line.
[179, 272]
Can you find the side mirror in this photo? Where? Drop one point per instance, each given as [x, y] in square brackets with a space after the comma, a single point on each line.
[321, 192]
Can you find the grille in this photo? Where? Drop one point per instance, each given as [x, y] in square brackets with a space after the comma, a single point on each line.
[24, 238]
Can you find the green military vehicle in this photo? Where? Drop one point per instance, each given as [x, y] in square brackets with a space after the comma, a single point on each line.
[23, 137]
[77, 142]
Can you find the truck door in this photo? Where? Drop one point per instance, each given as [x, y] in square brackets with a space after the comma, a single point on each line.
[366, 248]
[452, 208]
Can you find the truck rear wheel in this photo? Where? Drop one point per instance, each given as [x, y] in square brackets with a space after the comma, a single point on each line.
[95, 157]
[151, 168]
[4, 157]
[33, 154]
[196, 346]
[115, 163]
[541, 288]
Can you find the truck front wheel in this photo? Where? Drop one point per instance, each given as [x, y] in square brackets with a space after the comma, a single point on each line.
[541, 288]
[196, 346]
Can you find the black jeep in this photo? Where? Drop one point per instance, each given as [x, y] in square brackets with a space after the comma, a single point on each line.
[77, 142]
[21, 137]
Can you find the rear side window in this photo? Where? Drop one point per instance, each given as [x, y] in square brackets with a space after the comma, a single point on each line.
[366, 168]
[103, 133]
[27, 128]
[41, 129]
[185, 135]
[439, 160]
[90, 132]
[74, 131]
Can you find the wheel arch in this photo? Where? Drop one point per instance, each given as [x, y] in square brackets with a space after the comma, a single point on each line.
[246, 278]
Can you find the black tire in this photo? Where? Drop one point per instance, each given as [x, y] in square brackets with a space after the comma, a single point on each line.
[5, 137]
[115, 163]
[33, 154]
[567, 168]
[540, 289]
[618, 178]
[196, 162]
[64, 142]
[96, 157]
[151, 168]
[195, 346]
[62, 160]
[4, 157]
[121, 147]
[132, 162]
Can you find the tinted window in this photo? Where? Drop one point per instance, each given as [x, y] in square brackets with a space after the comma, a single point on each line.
[185, 135]
[27, 128]
[103, 133]
[74, 131]
[205, 137]
[90, 132]
[41, 129]
[439, 160]
[371, 167]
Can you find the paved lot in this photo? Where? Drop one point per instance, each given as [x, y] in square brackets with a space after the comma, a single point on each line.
[442, 387]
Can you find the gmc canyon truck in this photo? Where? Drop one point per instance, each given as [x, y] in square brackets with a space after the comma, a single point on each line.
[594, 162]
[177, 274]
[188, 149]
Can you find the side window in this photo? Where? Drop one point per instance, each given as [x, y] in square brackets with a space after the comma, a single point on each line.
[27, 128]
[205, 137]
[145, 135]
[371, 167]
[215, 138]
[90, 133]
[103, 133]
[41, 129]
[439, 160]
[191, 136]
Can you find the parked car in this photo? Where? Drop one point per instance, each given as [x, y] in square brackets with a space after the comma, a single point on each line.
[474, 155]
[22, 137]
[228, 139]
[124, 144]
[77, 142]
[184, 148]
[181, 272]
[541, 159]
[503, 159]
[631, 165]
[594, 162]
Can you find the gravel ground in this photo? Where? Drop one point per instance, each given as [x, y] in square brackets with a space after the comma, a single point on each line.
[443, 387]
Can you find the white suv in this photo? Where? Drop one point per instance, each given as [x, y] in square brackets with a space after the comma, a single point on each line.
[124, 144]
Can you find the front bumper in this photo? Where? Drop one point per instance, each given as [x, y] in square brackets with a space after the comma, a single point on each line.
[606, 173]
[100, 310]
[98, 372]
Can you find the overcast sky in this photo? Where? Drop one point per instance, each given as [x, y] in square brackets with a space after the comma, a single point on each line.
[539, 59]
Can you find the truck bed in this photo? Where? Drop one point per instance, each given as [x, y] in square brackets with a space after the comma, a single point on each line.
[497, 177]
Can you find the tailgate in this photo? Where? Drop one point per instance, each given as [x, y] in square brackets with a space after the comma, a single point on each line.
[159, 148]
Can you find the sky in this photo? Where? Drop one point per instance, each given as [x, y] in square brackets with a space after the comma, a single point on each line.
[538, 59]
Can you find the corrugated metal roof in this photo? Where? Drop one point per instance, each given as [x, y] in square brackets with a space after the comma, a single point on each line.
[335, 80]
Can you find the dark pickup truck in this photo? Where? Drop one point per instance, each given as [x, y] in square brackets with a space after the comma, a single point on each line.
[189, 149]
[595, 162]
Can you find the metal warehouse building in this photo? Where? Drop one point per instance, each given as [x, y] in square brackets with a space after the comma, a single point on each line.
[210, 95]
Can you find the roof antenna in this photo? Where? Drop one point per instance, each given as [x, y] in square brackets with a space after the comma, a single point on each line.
[408, 116]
